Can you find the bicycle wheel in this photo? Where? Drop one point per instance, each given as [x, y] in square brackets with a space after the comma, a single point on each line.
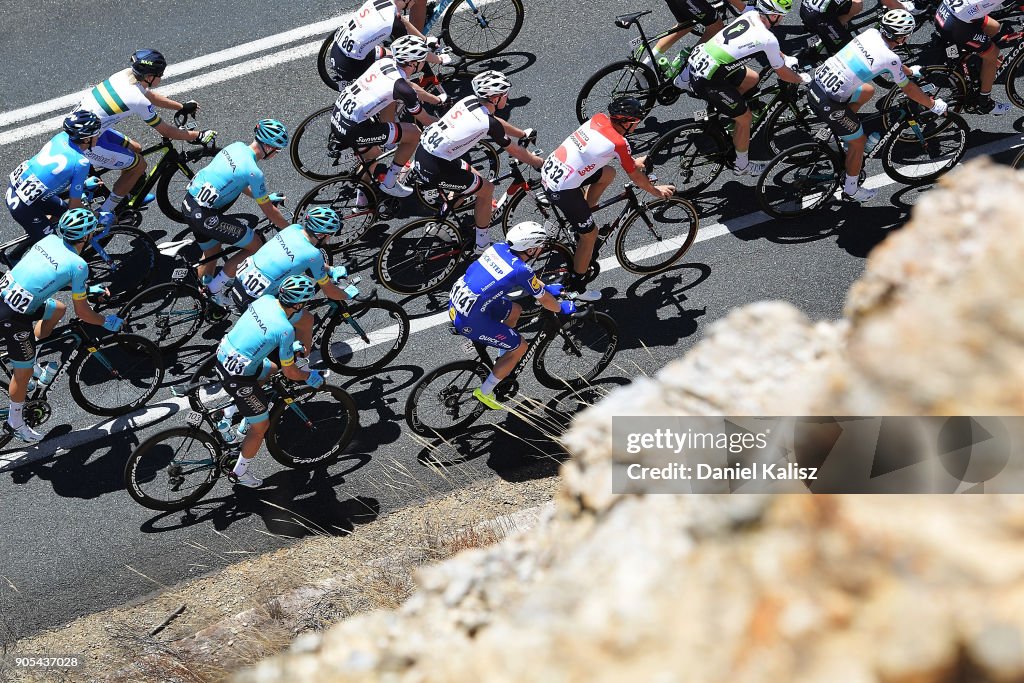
[925, 147]
[799, 180]
[315, 153]
[313, 428]
[117, 375]
[323, 62]
[578, 352]
[527, 205]
[421, 257]
[618, 79]
[125, 263]
[173, 184]
[173, 470]
[167, 315]
[689, 157]
[656, 236]
[1015, 81]
[366, 338]
[949, 86]
[442, 403]
[483, 157]
[477, 29]
[791, 125]
[208, 394]
[1018, 162]
[354, 201]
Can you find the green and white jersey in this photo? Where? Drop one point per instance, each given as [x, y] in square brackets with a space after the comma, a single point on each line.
[119, 97]
[745, 36]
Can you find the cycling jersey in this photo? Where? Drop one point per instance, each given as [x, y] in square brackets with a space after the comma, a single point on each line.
[367, 27]
[58, 166]
[743, 37]
[221, 182]
[382, 84]
[119, 97]
[585, 153]
[48, 267]
[863, 58]
[465, 124]
[828, 7]
[969, 10]
[288, 253]
[261, 329]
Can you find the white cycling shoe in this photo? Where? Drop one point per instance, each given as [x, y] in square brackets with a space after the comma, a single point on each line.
[753, 168]
[396, 190]
[583, 295]
[245, 479]
[26, 433]
[862, 195]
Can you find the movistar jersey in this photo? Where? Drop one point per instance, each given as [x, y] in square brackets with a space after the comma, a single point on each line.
[261, 329]
[745, 36]
[863, 58]
[48, 267]
[119, 97]
[58, 166]
[289, 253]
[496, 273]
[223, 179]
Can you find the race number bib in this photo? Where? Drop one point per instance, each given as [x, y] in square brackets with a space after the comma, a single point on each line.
[29, 188]
[236, 363]
[463, 298]
[345, 39]
[207, 196]
[253, 281]
[830, 80]
[555, 171]
[14, 295]
[701, 64]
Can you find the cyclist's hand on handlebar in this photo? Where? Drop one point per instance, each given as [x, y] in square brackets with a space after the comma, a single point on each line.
[915, 71]
[665, 191]
[276, 198]
[205, 137]
[529, 137]
[805, 78]
[113, 323]
[554, 289]
[432, 42]
[567, 307]
[315, 378]
[939, 107]
[189, 108]
[792, 62]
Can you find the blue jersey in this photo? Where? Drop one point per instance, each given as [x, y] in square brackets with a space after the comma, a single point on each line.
[487, 280]
[223, 179]
[48, 267]
[288, 253]
[59, 166]
[261, 329]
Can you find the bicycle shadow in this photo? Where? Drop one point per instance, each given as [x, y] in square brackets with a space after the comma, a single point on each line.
[378, 393]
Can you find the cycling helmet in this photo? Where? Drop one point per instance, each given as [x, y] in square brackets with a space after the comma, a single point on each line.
[409, 49]
[81, 124]
[323, 220]
[896, 23]
[271, 132]
[626, 109]
[77, 224]
[491, 83]
[525, 236]
[296, 289]
[148, 63]
[774, 6]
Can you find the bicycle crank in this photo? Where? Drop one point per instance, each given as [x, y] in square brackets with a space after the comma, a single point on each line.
[668, 94]
[129, 217]
[37, 412]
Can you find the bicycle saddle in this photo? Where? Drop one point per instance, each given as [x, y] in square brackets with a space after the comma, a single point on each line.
[172, 249]
[627, 20]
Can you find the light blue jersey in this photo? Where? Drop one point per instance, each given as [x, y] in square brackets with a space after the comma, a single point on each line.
[261, 329]
[48, 267]
[232, 171]
[859, 62]
[58, 166]
[288, 253]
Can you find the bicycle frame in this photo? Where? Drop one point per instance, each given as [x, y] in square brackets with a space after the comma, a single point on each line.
[549, 328]
[74, 330]
[439, 10]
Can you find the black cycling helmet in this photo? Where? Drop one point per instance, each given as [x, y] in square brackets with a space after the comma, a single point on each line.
[626, 110]
[148, 63]
[81, 125]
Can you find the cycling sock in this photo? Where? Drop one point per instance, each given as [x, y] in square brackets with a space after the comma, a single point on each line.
[112, 201]
[392, 175]
[501, 352]
[218, 282]
[241, 466]
[15, 418]
[483, 236]
[985, 94]
[850, 186]
[742, 160]
[488, 386]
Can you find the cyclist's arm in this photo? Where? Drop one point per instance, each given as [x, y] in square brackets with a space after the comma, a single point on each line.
[323, 280]
[284, 350]
[425, 96]
[500, 130]
[161, 101]
[549, 302]
[915, 93]
[411, 94]
[175, 133]
[788, 75]
[80, 298]
[75, 203]
[272, 213]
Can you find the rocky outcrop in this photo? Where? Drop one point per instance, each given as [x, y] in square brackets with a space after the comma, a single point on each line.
[914, 589]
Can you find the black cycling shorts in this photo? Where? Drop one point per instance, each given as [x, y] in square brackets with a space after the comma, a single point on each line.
[212, 228]
[346, 69]
[574, 207]
[723, 92]
[842, 120]
[16, 331]
[36, 218]
[363, 136]
[826, 25]
[693, 11]
[437, 173]
[967, 35]
[247, 392]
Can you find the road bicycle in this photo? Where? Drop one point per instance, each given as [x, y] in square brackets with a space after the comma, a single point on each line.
[107, 375]
[471, 28]
[176, 468]
[567, 352]
[915, 149]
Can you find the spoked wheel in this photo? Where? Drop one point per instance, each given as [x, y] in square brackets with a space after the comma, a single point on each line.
[355, 202]
[421, 257]
[323, 62]
[174, 469]
[949, 86]
[791, 125]
[689, 157]
[656, 236]
[367, 339]
[1015, 81]
[117, 375]
[799, 181]
[625, 78]
[482, 29]
[442, 403]
[926, 147]
[316, 153]
[168, 315]
[483, 157]
[123, 261]
[313, 428]
[528, 205]
[578, 353]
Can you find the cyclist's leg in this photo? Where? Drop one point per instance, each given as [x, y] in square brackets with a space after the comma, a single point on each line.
[247, 393]
[596, 184]
[496, 329]
[483, 209]
[16, 331]
[573, 205]
[842, 119]
[53, 313]
[728, 99]
[37, 219]
[115, 151]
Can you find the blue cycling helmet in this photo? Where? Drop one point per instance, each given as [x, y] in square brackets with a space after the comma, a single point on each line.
[296, 289]
[81, 124]
[148, 63]
[322, 220]
[271, 132]
[77, 224]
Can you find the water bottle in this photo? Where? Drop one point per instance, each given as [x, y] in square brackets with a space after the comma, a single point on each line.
[224, 427]
[241, 429]
[48, 374]
[673, 68]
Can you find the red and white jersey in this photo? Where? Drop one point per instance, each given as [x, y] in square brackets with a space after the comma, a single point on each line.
[584, 153]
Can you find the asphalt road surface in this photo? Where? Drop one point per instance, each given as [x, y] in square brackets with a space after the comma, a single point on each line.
[74, 542]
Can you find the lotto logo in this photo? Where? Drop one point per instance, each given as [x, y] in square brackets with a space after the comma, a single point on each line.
[588, 169]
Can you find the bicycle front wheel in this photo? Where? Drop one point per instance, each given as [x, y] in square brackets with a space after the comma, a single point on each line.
[324, 65]
[355, 202]
[167, 315]
[173, 470]
[949, 84]
[314, 151]
[689, 157]
[656, 236]
[442, 403]
[117, 375]
[799, 181]
[313, 428]
[478, 29]
[625, 78]
[578, 352]
[1015, 81]
[421, 257]
[366, 338]
[925, 147]
[124, 263]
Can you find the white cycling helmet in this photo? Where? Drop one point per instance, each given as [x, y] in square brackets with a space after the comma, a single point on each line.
[897, 22]
[491, 83]
[525, 236]
[409, 49]
[774, 6]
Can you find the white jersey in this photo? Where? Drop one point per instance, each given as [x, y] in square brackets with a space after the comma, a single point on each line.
[863, 58]
[744, 36]
[589, 149]
[971, 10]
[465, 124]
[373, 91]
[366, 28]
[117, 98]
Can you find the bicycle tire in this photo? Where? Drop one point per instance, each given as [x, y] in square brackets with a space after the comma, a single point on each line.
[791, 125]
[343, 195]
[690, 157]
[487, 44]
[135, 471]
[594, 329]
[948, 144]
[672, 216]
[1015, 81]
[132, 262]
[950, 84]
[208, 394]
[136, 355]
[322, 62]
[1018, 162]
[527, 205]
[172, 186]
[421, 257]
[344, 353]
[455, 396]
[815, 172]
[628, 78]
[286, 435]
[482, 157]
[310, 149]
[169, 315]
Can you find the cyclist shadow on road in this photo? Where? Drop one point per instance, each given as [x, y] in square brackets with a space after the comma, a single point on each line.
[379, 393]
